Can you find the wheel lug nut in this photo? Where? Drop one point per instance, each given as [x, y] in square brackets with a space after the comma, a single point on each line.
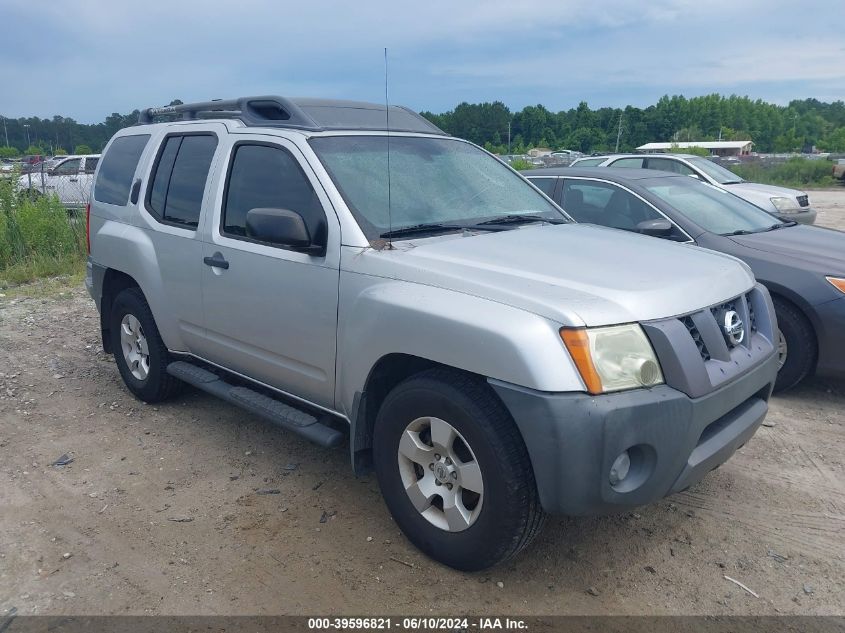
[437, 482]
[454, 475]
[448, 461]
[437, 456]
[449, 486]
[431, 466]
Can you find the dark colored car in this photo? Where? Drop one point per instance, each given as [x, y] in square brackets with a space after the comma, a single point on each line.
[802, 266]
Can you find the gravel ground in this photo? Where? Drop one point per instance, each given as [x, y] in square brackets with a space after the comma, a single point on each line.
[193, 507]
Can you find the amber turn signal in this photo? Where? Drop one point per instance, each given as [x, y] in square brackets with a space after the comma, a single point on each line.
[578, 344]
[837, 282]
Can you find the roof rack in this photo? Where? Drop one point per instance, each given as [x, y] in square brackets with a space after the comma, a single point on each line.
[314, 115]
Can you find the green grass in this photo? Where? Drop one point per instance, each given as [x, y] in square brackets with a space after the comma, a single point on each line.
[520, 164]
[38, 238]
[798, 173]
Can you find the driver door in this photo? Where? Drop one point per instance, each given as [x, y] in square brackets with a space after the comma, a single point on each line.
[270, 312]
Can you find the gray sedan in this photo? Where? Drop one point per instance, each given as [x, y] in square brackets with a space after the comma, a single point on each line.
[802, 266]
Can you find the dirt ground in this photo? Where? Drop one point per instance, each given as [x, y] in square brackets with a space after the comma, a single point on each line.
[194, 507]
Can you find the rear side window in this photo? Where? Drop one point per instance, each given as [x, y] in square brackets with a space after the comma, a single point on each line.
[635, 163]
[667, 164]
[119, 164]
[179, 178]
[262, 176]
[546, 185]
[91, 165]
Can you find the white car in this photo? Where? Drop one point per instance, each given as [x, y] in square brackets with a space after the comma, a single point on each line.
[69, 177]
[787, 204]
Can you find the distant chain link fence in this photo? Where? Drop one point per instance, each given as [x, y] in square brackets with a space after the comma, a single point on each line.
[70, 179]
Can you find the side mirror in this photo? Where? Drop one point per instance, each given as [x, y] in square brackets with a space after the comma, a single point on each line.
[696, 176]
[655, 228]
[282, 227]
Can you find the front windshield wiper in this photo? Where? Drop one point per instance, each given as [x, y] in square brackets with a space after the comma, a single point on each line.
[780, 225]
[436, 227]
[515, 218]
[731, 182]
[738, 232]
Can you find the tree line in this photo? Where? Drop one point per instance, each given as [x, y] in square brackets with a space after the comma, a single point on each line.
[796, 127]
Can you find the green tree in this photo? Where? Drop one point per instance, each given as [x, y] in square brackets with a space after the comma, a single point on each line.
[82, 149]
[9, 152]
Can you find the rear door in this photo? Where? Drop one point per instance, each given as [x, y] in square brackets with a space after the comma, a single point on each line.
[172, 206]
[271, 312]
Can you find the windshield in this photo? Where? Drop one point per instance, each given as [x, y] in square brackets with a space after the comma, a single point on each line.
[716, 172]
[711, 208]
[432, 181]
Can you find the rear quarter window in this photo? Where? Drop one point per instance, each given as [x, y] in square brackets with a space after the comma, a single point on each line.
[119, 163]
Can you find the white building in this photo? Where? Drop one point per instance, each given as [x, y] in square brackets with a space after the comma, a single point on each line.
[717, 148]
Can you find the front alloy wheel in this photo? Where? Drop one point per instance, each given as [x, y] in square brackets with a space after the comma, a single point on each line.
[454, 470]
[440, 474]
[783, 349]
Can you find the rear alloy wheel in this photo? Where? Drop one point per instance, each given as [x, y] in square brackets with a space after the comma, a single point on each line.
[139, 353]
[454, 470]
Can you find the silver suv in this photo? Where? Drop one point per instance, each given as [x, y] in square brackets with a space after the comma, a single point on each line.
[351, 273]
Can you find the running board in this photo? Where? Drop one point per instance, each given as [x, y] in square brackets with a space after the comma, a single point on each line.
[276, 411]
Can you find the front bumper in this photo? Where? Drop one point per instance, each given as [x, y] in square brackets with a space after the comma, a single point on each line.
[807, 215]
[829, 322]
[573, 439]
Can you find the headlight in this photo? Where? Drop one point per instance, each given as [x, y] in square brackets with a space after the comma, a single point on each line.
[613, 358]
[837, 282]
[786, 205]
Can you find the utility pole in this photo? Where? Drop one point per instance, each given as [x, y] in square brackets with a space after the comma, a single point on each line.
[509, 138]
[618, 133]
[5, 131]
[26, 126]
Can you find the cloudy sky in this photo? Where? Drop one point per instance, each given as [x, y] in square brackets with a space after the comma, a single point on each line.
[89, 58]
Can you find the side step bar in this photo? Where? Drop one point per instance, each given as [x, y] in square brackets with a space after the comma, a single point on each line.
[275, 411]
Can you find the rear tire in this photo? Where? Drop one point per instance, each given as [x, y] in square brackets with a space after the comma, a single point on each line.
[499, 511]
[800, 345]
[140, 354]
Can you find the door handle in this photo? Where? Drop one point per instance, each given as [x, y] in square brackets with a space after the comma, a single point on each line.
[216, 261]
[73, 179]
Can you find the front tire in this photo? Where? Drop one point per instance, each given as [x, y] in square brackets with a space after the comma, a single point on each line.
[140, 354]
[796, 345]
[454, 470]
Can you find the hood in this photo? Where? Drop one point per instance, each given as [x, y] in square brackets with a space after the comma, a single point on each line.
[747, 189]
[820, 247]
[574, 274]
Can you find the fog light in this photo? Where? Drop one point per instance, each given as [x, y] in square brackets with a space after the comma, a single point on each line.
[620, 468]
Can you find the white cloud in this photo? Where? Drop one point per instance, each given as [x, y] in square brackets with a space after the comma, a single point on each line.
[112, 56]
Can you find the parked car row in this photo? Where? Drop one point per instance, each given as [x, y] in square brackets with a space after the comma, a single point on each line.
[404, 291]
[787, 204]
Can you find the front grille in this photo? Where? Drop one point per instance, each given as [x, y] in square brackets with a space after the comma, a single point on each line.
[803, 201]
[696, 337]
[752, 318]
[717, 313]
